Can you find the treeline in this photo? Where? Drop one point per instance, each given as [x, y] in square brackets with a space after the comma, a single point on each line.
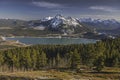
[103, 53]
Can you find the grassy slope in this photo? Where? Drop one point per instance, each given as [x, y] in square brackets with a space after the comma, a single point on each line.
[25, 32]
[4, 45]
[108, 73]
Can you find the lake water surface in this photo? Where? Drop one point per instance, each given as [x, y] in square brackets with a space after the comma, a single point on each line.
[32, 40]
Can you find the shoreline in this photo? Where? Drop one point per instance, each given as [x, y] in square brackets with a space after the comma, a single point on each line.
[52, 37]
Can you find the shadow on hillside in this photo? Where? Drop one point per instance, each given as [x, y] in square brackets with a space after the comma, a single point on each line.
[104, 72]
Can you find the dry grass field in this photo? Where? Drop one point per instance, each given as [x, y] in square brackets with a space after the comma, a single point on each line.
[106, 74]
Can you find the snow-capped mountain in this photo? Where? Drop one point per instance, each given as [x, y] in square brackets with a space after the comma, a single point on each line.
[90, 20]
[111, 21]
[86, 20]
[47, 18]
[63, 24]
[56, 21]
[100, 24]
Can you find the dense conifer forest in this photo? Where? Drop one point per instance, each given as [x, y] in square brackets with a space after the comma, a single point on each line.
[105, 53]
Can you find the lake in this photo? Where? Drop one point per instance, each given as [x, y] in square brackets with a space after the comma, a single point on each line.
[32, 40]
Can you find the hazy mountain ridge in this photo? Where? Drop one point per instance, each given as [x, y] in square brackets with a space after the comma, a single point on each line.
[100, 24]
[12, 22]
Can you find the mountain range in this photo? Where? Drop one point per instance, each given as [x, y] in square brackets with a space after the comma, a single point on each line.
[60, 25]
[99, 24]
[110, 26]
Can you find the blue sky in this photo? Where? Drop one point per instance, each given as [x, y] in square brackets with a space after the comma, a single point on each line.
[37, 9]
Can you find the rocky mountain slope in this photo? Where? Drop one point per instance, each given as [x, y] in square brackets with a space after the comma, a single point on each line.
[62, 24]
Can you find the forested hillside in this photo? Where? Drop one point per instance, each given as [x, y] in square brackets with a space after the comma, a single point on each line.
[37, 57]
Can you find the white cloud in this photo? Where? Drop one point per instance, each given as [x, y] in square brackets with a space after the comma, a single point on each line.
[47, 4]
[101, 16]
[104, 8]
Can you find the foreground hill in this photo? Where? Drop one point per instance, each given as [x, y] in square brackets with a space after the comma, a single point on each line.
[98, 61]
[9, 44]
[54, 74]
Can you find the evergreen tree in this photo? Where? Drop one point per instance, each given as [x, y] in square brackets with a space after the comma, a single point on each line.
[75, 60]
[99, 63]
[54, 63]
[44, 59]
[34, 58]
[58, 60]
[1, 61]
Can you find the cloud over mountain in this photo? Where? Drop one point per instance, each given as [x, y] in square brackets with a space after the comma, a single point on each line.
[47, 4]
[104, 8]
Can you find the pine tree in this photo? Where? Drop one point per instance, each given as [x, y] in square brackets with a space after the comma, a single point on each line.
[43, 59]
[15, 60]
[53, 62]
[34, 58]
[58, 60]
[1, 61]
[28, 60]
[75, 60]
[99, 63]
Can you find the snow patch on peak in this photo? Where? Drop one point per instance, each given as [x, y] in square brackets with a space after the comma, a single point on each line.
[47, 18]
[56, 22]
[108, 21]
[59, 19]
[58, 16]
